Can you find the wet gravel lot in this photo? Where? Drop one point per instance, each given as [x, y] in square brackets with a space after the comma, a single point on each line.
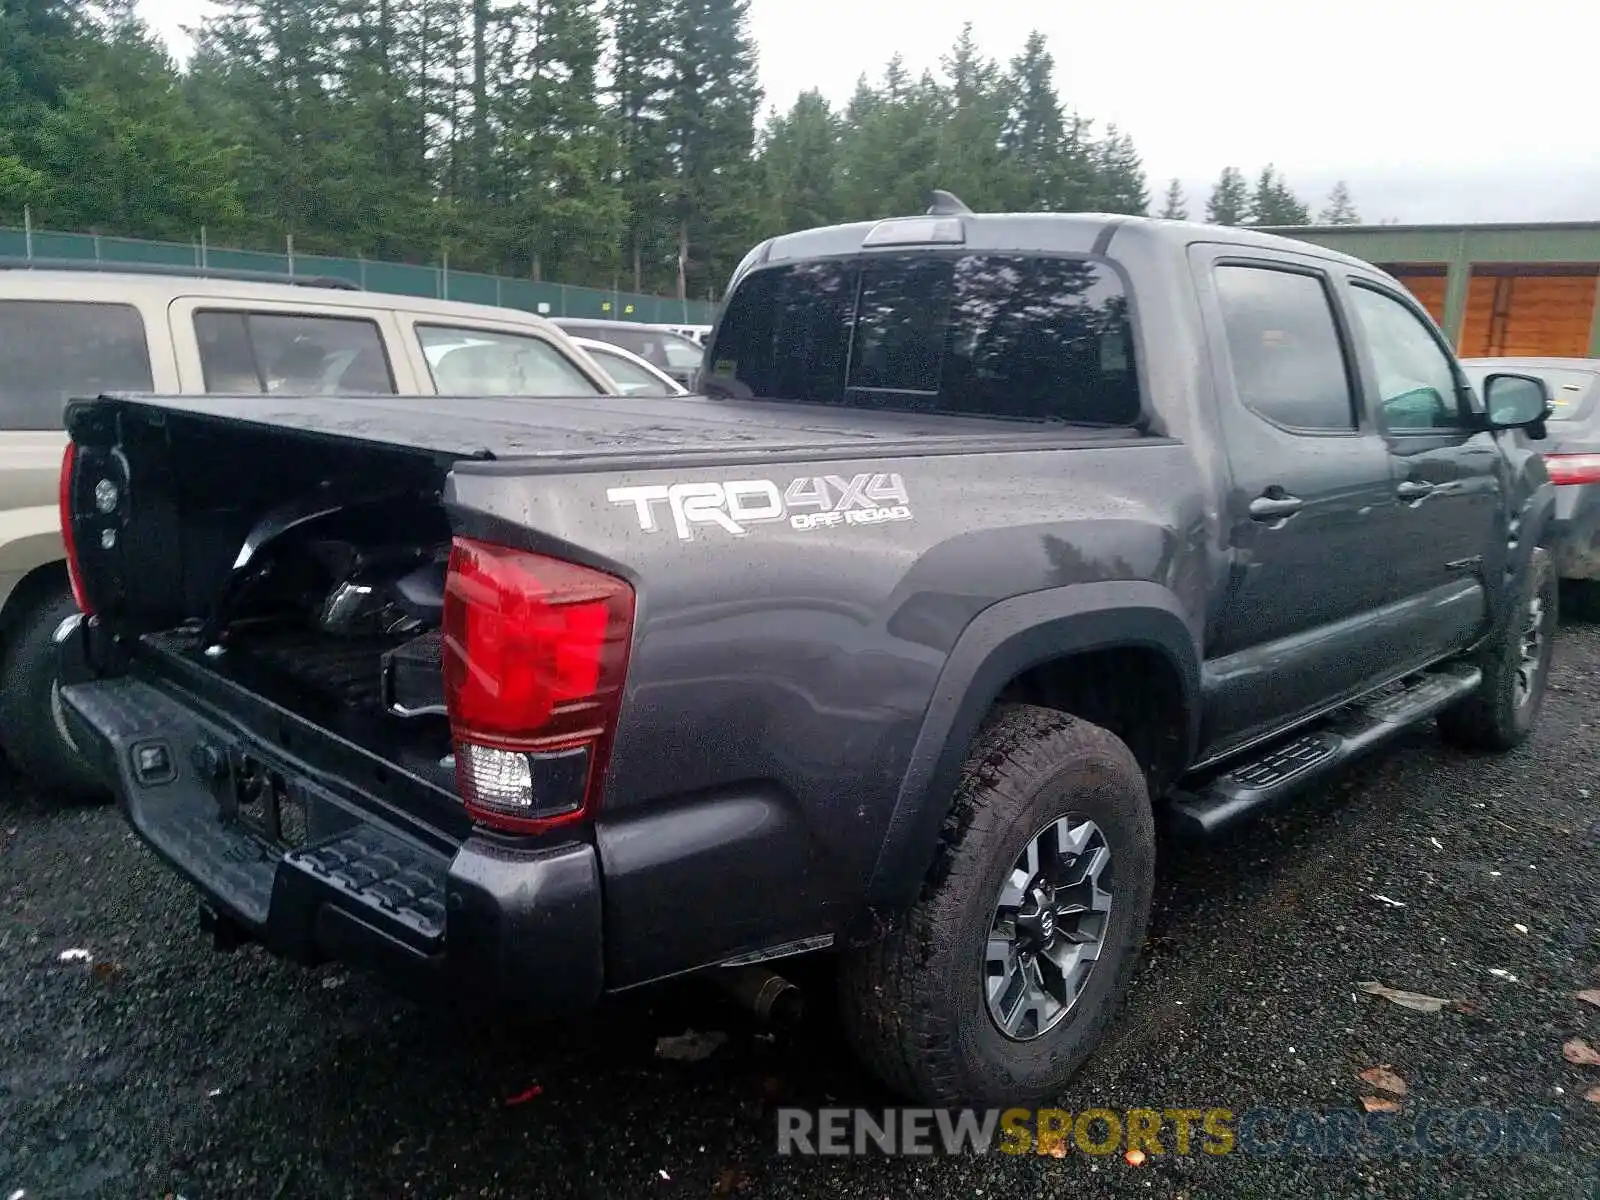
[161, 1068]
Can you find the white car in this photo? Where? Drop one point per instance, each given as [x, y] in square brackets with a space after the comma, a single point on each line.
[632, 374]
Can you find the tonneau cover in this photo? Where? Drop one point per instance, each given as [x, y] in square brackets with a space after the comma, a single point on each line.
[600, 426]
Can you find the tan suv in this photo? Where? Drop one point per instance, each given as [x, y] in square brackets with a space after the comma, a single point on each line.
[80, 332]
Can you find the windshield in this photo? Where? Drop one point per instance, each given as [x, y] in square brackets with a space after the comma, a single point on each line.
[975, 334]
[658, 347]
[482, 362]
[633, 379]
[1572, 392]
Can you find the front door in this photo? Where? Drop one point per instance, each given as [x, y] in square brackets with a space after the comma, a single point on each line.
[1447, 471]
[1311, 510]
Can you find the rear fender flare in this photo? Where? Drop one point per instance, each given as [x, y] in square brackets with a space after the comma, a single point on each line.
[999, 644]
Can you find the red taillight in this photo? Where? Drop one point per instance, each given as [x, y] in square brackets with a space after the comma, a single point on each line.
[69, 463]
[535, 652]
[1573, 468]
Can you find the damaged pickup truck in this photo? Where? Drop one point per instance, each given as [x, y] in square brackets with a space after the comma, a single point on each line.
[996, 541]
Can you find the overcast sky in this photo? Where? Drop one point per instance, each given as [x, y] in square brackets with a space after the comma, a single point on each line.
[1432, 109]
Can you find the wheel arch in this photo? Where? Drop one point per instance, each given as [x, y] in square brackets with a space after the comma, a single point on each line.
[1005, 645]
[27, 588]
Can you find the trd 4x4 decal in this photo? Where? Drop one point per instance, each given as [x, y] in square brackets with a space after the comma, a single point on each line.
[810, 502]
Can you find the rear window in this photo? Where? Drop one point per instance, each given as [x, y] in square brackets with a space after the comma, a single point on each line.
[1044, 339]
[55, 351]
[1574, 392]
[249, 353]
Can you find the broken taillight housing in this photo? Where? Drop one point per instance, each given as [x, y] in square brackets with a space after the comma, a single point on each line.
[69, 464]
[1573, 468]
[535, 654]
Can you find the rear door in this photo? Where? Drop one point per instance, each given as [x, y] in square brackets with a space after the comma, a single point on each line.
[1448, 473]
[1310, 514]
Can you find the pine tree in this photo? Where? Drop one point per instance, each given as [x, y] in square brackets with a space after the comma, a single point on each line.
[122, 151]
[799, 161]
[889, 148]
[1050, 165]
[971, 157]
[1119, 175]
[712, 97]
[1274, 203]
[1174, 207]
[1230, 199]
[1340, 209]
[639, 92]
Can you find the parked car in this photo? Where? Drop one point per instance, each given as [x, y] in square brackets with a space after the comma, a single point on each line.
[898, 644]
[1572, 456]
[632, 374]
[678, 356]
[695, 333]
[73, 331]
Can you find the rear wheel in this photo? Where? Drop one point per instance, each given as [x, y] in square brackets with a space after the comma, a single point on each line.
[1516, 668]
[32, 724]
[1002, 978]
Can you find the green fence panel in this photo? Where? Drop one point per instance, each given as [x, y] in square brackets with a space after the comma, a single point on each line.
[546, 299]
[127, 250]
[246, 260]
[337, 268]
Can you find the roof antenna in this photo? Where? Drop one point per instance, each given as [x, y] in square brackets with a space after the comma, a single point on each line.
[947, 204]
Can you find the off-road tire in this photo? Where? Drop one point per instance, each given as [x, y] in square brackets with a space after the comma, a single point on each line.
[1491, 718]
[29, 727]
[914, 1004]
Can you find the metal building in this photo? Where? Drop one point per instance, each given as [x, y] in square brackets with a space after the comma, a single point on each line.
[1515, 290]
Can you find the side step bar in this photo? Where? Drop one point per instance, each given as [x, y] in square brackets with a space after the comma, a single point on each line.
[1285, 766]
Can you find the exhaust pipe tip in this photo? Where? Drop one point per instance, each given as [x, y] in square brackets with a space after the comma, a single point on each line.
[771, 997]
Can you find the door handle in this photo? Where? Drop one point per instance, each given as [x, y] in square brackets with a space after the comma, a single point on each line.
[1275, 508]
[1413, 489]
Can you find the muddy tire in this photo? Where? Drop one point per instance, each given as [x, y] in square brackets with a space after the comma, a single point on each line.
[31, 729]
[978, 996]
[1516, 668]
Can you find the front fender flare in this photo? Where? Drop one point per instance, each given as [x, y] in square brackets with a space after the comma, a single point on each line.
[999, 644]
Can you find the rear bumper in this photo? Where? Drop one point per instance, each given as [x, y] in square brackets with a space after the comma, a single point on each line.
[432, 917]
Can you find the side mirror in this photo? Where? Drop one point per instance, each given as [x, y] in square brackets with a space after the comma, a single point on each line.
[1517, 402]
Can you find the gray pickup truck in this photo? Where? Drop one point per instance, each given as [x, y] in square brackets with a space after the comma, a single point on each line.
[997, 541]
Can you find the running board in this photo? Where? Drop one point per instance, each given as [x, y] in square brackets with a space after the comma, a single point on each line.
[1285, 766]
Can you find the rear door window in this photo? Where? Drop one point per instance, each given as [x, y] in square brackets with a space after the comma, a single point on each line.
[1004, 335]
[52, 351]
[487, 362]
[294, 354]
[1284, 348]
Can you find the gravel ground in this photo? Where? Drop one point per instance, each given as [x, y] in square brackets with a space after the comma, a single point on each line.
[164, 1069]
